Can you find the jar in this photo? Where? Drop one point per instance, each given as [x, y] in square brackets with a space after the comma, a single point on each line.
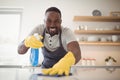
[93, 62]
[83, 63]
[88, 61]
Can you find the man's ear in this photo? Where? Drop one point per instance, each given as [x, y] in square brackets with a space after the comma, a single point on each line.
[44, 20]
[60, 21]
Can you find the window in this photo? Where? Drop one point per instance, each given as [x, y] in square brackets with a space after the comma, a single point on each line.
[10, 21]
[9, 28]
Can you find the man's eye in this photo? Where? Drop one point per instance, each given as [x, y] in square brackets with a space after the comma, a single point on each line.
[49, 21]
[58, 21]
[55, 22]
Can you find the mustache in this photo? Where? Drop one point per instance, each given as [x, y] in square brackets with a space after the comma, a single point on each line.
[52, 27]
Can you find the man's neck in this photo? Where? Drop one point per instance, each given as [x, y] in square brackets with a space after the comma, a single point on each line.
[52, 34]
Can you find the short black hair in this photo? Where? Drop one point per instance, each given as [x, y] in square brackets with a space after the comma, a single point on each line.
[53, 9]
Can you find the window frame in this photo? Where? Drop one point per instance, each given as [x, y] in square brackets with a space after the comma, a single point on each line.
[10, 10]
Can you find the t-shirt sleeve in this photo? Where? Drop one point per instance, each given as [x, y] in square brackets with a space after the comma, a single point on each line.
[69, 36]
[38, 29]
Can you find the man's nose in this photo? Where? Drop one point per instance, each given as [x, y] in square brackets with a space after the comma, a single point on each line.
[52, 24]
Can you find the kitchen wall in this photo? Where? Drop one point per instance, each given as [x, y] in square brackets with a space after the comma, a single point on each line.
[33, 14]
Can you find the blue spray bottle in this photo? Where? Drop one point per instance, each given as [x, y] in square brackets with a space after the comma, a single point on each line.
[34, 55]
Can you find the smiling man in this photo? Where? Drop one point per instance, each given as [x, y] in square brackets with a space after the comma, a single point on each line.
[60, 50]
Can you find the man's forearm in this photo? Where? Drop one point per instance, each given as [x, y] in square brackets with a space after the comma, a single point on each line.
[75, 49]
[22, 49]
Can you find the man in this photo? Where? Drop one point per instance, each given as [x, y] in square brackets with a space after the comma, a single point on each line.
[60, 50]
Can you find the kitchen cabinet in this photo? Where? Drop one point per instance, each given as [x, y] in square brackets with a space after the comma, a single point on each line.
[97, 32]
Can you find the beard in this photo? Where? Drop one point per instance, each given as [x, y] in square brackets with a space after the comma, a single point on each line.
[53, 30]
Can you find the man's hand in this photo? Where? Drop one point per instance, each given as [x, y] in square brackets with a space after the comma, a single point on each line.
[32, 42]
[61, 67]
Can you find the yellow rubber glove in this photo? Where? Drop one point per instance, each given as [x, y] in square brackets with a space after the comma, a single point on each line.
[32, 42]
[62, 66]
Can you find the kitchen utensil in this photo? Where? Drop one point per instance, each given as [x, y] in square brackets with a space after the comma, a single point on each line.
[114, 38]
[117, 27]
[103, 39]
[109, 38]
[93, 38]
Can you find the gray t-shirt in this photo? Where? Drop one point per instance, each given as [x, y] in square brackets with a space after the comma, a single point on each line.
[52, 43]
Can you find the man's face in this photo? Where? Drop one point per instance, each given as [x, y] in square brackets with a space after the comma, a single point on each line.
[52, 22]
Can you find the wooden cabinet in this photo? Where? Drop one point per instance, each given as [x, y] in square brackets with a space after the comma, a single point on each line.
[98, 32]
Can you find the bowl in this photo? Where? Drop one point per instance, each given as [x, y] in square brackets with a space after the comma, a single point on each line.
[93, 38]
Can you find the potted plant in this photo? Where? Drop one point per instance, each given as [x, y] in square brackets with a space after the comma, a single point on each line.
[110, 60]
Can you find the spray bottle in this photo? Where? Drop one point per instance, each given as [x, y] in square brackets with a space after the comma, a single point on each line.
[34, 55]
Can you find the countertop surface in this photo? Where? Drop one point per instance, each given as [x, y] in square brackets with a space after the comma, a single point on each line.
[78, 73]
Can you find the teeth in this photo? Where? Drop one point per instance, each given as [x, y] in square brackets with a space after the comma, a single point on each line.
[52, 29]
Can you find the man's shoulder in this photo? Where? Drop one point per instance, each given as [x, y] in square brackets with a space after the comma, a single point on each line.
[40, 26]
[68, 35]
[64, 29]
[38, 29]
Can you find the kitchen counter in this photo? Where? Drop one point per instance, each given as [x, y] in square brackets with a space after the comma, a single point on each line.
[79, 73]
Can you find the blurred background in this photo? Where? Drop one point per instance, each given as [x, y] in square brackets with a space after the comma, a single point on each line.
[19, 17]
